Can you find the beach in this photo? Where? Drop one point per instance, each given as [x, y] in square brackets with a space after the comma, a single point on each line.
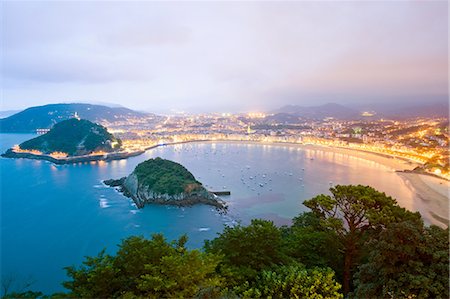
[433, 192]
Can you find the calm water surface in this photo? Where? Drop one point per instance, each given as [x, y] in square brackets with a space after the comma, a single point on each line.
[53, 216]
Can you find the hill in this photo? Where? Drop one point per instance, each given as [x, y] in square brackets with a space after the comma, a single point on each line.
[319, 112]
[44, 117]
[411, 110]
[74, 137]
[164, 182]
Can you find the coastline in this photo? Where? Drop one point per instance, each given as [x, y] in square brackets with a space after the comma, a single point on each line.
[71, 160]
[190, 200]
[431, 192]
[386, 160]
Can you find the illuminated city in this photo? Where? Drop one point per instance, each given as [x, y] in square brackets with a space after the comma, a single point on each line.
[224, 149]
[422, 140]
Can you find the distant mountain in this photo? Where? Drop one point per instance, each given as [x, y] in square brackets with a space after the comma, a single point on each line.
[74, 137]
[319, 112]
[404, 110]
[6, 113]
[282, 118]
[46, 116]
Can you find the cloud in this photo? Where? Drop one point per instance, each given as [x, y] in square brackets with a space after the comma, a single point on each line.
[227, 54]
[146, 36]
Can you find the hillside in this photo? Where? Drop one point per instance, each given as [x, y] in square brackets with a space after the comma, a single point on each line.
[45, 117]
[74, 137]
[406, 110]
[319, 112]
[163, 182]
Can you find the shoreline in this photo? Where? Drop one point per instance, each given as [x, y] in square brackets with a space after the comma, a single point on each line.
[396, 163]
[434, 201]
[72, 160]
[190, 200]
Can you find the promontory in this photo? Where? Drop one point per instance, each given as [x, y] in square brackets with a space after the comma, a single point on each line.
[160, 181]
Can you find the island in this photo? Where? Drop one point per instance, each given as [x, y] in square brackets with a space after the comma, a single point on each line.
[72, 141]
[160, 181]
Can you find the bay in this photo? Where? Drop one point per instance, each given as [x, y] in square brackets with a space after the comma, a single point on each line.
[52, 216]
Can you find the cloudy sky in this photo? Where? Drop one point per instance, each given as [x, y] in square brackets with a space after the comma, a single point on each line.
[223, 56]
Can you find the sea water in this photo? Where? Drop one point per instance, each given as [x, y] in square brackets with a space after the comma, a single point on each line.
[52, 216]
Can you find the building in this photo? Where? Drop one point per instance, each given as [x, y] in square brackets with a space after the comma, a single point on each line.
[42, 131]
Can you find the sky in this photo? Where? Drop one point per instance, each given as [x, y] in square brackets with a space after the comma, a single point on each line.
[223, 56]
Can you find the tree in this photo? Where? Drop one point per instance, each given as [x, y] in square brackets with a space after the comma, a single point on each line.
[294, 281]
[97, 278]
[16, 286]
[312, 244]
[351, 211]
[407, 260]
[181, 276]
[24, 295]
[247, 250]
[146, 269]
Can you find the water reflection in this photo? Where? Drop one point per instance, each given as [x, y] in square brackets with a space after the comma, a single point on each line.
[69, 210]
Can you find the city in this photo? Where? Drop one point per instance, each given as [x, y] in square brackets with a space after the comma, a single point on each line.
[422, 140]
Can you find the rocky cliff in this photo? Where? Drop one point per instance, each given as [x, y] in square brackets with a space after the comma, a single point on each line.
[160, 181]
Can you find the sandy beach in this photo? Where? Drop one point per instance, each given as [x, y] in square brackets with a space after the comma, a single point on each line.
[433, 195]
[432, 192]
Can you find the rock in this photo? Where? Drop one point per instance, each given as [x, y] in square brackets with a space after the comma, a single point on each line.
[153, 182]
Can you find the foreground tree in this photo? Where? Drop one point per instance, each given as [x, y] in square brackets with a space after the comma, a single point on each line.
[312, 244]
[247, 249]
[147, 269]
[407, 260]
[351, 211]
[294, 281]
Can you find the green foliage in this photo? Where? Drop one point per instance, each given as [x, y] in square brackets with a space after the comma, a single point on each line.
[94, 278]
[182, 275]
[145, 269]
[247, 249]
[353, 209]
[154, 268]
[294, 281]
[352, 212]
[407, 260]
[73, 137]
[312, 244]
[24, 295]
[165, 177]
